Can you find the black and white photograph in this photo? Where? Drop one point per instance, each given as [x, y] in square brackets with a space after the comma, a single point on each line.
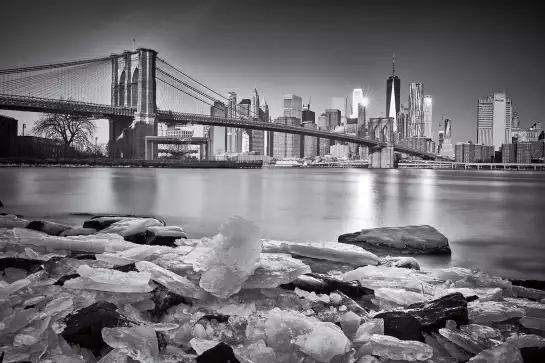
[272, 181]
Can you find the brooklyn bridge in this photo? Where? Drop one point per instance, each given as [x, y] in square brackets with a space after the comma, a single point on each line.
[137, 90]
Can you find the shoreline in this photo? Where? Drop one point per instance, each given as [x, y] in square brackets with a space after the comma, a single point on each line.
[152, 293]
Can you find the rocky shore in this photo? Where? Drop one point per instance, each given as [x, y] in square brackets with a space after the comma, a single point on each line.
[124, 289]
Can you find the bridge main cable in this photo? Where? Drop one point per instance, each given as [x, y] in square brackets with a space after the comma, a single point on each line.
[53, 65]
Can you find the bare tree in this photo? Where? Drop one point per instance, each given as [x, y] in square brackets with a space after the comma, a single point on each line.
[71, 130]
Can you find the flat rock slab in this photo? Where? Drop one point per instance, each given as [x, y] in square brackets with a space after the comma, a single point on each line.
[51, 228]
[434, 314]
[409, 239]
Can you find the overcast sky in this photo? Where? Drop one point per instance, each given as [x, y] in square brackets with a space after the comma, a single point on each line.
[459, 50]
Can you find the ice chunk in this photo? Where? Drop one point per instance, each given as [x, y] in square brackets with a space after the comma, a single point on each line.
[453, 273]
[283, 326]
[368, 328]
[258, 352]
[229, 258]
[503, 353]
[131, 226]
[528, 293]
[403, 262]
[275, 269]
[483, 279]
[103, 279]
[526, 341]
[12, 221]
[471, 344]
[400, 296]
[202, 345]
[97, 243]
[481, 332]
[395, 349]
[533, 323]
[139, 343]
[324, 342]
[176, 283]
[387, 273]
[532, 308]
[492, 311]
[13, 287]
[350, 323]
[331, 251]
[368, 359]
[115, 356]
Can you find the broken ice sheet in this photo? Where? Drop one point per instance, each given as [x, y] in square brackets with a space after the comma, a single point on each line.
[140, 343]
[275, 269]
[229, 258]
[110, 280]
[176, 283]
[395, 349]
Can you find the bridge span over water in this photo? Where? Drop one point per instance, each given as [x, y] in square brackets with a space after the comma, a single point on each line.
[137, 90]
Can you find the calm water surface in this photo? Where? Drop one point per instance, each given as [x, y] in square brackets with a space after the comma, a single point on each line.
[494, 220]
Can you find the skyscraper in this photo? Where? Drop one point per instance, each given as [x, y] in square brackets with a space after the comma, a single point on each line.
[516, 122]
[233, 135]
[287, 145]
[416, 109]
[257, 137]
[494, 120]
[293, 106]
[357, 99]
[333, 118]
[446, 145]
[218, 134]
[341, 103]
[393, 93]
[427, 117]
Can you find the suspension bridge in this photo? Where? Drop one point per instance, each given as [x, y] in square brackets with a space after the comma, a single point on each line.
[135, 90]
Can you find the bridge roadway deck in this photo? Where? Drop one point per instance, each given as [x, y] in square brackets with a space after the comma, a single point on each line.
[35, 104]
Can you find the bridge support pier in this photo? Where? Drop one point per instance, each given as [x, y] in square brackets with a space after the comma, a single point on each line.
[144, 125]
[115, 144]
[381, 158]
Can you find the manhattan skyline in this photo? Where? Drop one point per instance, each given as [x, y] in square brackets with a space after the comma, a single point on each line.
[312, 49]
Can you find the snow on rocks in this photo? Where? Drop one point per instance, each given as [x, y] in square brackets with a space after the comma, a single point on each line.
[408, 239]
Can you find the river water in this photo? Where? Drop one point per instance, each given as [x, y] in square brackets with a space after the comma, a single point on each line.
[494, 220]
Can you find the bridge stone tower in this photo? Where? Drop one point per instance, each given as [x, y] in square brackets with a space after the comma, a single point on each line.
[134, 86]
[381, 129]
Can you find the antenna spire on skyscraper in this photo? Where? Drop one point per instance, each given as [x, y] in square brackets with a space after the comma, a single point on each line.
[393, 64]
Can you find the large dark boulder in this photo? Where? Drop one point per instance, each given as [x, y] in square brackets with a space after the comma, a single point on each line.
[401, 325]
[324, 284]
[51, 228]
[433, 315]
[84, 327]
[408, 239]
[164, 236]
[221, 353]
[1, 206]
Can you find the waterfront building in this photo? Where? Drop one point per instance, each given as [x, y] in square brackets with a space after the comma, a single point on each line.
[419, 143]
[468, 152]
[393, 92]
[310, 143]
[523, 152]
[341, 103]
[527, 134]
[41, 148]
[427, 116]
[287, 145]
[323, 147]
[293, 106]
[245, 142]
[333, 118]
[416, 110]
[494, 120]
[340, 151]
[218, 134]
[8, 136]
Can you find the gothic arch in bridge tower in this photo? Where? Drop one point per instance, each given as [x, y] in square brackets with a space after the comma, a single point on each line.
[134, 88]
[121, 90]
